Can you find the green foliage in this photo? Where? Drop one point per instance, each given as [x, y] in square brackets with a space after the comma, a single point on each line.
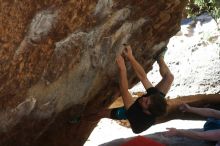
[196, 7]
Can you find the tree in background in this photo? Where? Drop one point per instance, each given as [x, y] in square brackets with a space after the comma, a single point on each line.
[196, 7]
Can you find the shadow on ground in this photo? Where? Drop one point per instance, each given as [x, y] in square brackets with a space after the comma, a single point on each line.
[168, 141]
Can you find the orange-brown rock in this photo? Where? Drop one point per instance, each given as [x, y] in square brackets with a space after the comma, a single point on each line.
[57, 61]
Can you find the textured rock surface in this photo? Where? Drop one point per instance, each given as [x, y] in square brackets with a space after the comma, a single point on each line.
[57, 61]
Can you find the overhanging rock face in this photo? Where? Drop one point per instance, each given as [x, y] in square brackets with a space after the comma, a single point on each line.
[57, 61]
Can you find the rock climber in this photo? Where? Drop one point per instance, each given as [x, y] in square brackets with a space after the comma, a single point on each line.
[142, 112]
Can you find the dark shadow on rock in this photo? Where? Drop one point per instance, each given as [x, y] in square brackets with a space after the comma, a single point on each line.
[168, 141]
[203, 18]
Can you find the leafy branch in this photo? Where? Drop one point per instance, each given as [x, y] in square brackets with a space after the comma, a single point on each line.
[196, 7]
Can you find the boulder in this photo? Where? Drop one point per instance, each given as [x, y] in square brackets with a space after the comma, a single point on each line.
[57, 61]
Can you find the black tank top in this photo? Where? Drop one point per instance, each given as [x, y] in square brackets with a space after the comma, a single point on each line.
[139, 120]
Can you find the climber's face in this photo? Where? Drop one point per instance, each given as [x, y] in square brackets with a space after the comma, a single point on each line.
[145, 103]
